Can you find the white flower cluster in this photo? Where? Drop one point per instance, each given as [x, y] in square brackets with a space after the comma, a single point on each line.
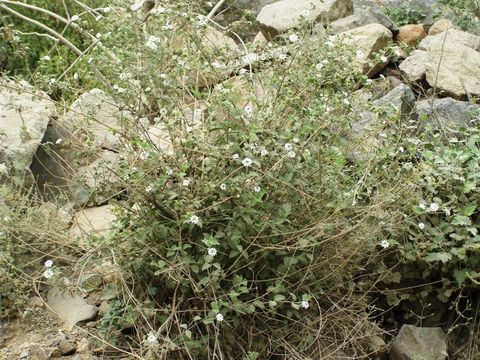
[152, 42]
[48, 273]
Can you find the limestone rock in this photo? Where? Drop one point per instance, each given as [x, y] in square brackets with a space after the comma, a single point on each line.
[401, 99]
[411, 34]
[413, 68]
[159, 137]
[24, 117]
[448, 113]
[67, 348]
[363, 17]
[414, 343]
[451, 37]
[97, 118]
[93, 221]
[72, 308]
[454, 70]
[285, 15]
[441, 26]
[369, 39]
[101, 170]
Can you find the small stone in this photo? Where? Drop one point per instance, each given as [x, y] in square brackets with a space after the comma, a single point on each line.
[413, 343]
[411, 34]
[67, 348]
[440, 26]
[24, 354]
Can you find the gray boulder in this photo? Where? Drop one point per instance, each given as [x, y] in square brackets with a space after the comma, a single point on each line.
[361, 17]
[24, 116]
[450, 37]
[413, 343]
[413, 68]
[285, 15]
[448, 113]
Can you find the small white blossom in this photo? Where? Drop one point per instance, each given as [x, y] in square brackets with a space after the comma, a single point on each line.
[48, 274]
[152, 338]
[291, 154]
[369, 81]
[46, 58]
[293, 38]
[202, 21]
[252, 146]
[194, 219]
[59, 141]
[137, 6]
[169, 172]
[75, 18]
[282, 56]
[52, 81]
[447, 212]
[223, 187]
[143, 155]
[421, 226]
[288, 147]
[304, 304]
[235, 156]
[305, 13]
[296, 140]
[75, 76]
[249, 110]
[189, 129]
[149, 189]
[401, 149]
[219, 317]
[247, 162]
[422, 206]
[434, 207]
[7, 218]
[48, 263]
[383, 58]
[384, 244]
[211, 252]
[186, 182]
[167, 27]
[346, 101]
[360, 55]
[242, 71]
[264, 152]
[398, 52]
[257, 189]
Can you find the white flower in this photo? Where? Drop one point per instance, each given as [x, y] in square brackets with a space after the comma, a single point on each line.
[75, 18]
[291, 154]
[247, 162]
[360, 55]
[422, 206]
[3, 168]
[169, 172]
[98, 35]
[7, 218]
[421, 226]
[346, 101]
[305, 13]
[48, 274]
[293, 38]
[143, 155]
[252, 146]
[434, 207]
[248, 110]
[159, 10]
[48, 263]
[369, 81]
[152, 338]
[75, 76]
[383, 58]
[401, 149]
[264, 152]
[242, 71]
[219, 317]
[211, 252]
[216, 65]
[149, 189]
[167, 27]
[59, 141]
[257, 189]
[384, 244]
[235, 156]
[189, 129]
[223, 187]
[288, 147]
[304, 304]
[282, 56]
[330, 44]
[398, 52]
[52, 81]
[152, 42]
[186, 182]
[137, 6]
[46, 58]
[194, 219]
[202, 21]
[296, 140]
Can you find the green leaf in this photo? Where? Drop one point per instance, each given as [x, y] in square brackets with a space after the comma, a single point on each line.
[461, 220]
[443, 257]
[469, 210]
[460, 276]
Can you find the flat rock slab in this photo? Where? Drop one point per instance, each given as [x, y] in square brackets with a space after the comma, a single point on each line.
[450, 37]
[24, 117]
[413, 343]
[93, 221]
[285, 15]
[454, 70]
[448, 113]
[72, 308]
